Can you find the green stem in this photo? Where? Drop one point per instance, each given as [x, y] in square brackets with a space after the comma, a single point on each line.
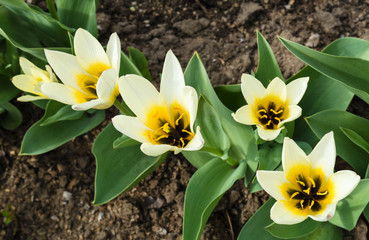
[214, 151]
[231, 162]
[52, 10]
[122, 108]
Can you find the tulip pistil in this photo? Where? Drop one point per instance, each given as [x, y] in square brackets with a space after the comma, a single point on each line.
[270, 116]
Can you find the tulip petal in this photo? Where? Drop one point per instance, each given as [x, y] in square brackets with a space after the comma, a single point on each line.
[323, 155]
[245, 115]
[155, 150]
[270, 181]
[95, 103]
[30, 98]
[189, 101]
[139, 94]
[325, 215]
[63, 93]
[113, 50]
[172, 80]
[296, 90]
[294, 112]
[251, 88]
[282, 214]
[344, 183]
[294, 161]
[26, 65]
[130, 126]
[268, 135]
[25, 83]
[66, 68]
[196, 143]
[90, 54]
[276, 88]
[107, 85]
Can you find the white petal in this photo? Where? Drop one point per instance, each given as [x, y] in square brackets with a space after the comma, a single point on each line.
[196, 143]
[88, 50]
[268, 135]
[251, 88]
[280, 214]
[323, 155]
[327, 214]
[30, 98]
[296, 90]
[189, 101]
[25, 83]
[276, 88]
[107, 85]
[156, 150]
[172, 80]
[270, 181]
[66, 67]
[294, 112]
[344, 182]
[130, 126]
[113, 50]
[139, 94]
[292, 155]
[95, 103]
[62, 93]
[26, 65]
[245, 115]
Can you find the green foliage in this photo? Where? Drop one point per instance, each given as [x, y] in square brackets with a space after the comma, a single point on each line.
[140, 61]
[42, 138]
[119, 169]
[293, 231]
[10, 116]
[231, 96]
[204, 191]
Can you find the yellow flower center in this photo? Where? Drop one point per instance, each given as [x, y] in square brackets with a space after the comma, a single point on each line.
[270, 112]
[169, 127]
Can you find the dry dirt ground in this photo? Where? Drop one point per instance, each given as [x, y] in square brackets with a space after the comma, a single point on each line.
[52, 193]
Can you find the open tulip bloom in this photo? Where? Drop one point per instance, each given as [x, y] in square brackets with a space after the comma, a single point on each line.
[164, 121]
[32, 80]
[90, 78]
[270, 108]
[307, 187]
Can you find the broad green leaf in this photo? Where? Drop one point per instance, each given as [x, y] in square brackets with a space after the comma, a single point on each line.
[140, 61]
[331, 120]
[255, 226]
[7, 90]
[243, 146]
[117, 170]
[324, 231]
[11, 118]
[270, 156]
[127, 66]
[350, 208]
[123, 142]
[231, 96]
[351, 71]
[203, 192]
[197, 158]
[12, 58]
[78, 14]
[366, 213]
[40, 139]
[293, 231]
[356, 138]
[268, 67]
[63, 114]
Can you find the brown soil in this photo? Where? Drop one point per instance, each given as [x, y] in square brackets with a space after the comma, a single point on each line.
[52, 193]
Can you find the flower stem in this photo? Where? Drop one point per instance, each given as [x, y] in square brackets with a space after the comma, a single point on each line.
[123, 109]
[52, 10]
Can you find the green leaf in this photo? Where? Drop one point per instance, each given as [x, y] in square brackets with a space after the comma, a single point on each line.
[324, 231]
[268, 67]
[293, 231]
[203, 192]
[255, 226]
[123, 142]
[270, 156]
[231, 96]
[366, 213]
[197, 158]
[117, 170]
[350, 208]
[78, 14]
[12, 118]
[351, 71]
[7, 90]
[243, 146]
[331, 120]
[127, 66]
[140, 61]
[356, 138]
[63, 114]
[40, 139]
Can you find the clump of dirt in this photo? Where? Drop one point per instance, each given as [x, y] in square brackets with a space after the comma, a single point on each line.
[52, 193]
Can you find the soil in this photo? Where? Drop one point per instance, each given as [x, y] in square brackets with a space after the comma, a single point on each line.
[52, 193]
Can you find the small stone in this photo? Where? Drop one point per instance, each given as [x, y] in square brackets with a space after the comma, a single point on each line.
[247, 10]
[100, 216]
[313, 40]
[82, 162]
[188, 26]
[67, 196]
[159, 230]
[233, 197]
